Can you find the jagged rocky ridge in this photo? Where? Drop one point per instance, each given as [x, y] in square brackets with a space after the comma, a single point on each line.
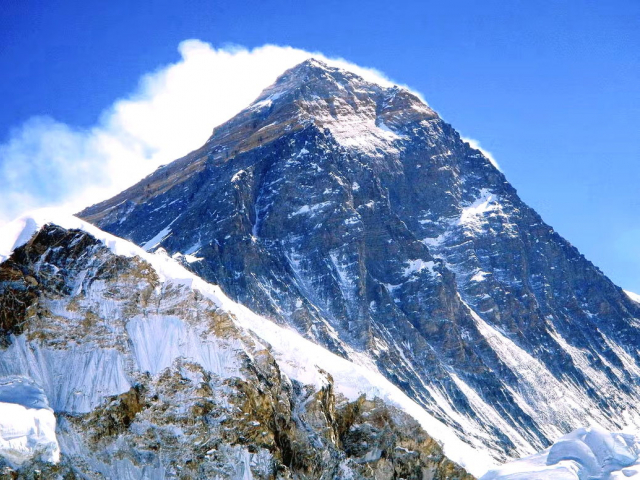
[355, 214]
[152, 375]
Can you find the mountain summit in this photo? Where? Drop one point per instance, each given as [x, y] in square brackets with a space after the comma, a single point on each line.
[359, 114]
[355, 215]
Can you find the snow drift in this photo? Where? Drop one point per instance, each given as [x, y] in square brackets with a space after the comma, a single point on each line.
[584, 454]
[27, 424]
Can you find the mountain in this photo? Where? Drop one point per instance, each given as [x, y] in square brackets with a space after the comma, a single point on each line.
[153, 373]
[355, 215]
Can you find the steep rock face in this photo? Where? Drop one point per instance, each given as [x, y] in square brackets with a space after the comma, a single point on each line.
[150, 378]
[355, 214]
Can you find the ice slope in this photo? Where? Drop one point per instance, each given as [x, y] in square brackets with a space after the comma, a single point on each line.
[298, 358]
[27, 424]
[584, 454]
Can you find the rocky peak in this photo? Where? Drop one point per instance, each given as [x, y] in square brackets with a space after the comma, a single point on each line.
[359, 114]
[312, 79]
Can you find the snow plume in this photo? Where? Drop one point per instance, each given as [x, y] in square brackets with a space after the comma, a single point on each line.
[171, 112]
[476, 144]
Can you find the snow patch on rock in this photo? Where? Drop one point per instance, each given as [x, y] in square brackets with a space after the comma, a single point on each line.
[417, 266]
[472, 215]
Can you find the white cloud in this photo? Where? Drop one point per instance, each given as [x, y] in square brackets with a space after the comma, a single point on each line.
[476, 144]
[172, 112]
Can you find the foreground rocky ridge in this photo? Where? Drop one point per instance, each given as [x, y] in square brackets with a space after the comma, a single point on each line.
[355, 214]
[150, 378]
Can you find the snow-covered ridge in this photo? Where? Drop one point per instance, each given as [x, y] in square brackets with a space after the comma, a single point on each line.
[298, 358]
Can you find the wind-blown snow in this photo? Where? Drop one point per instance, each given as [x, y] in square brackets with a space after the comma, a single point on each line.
[298, 357]
[585, 454]
[633, 296]
[17, 233]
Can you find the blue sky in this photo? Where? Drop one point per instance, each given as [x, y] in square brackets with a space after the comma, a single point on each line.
[551, 88]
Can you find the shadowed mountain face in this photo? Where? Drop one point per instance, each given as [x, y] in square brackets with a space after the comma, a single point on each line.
[354, 214]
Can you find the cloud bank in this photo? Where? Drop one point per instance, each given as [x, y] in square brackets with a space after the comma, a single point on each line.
[172, 112]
